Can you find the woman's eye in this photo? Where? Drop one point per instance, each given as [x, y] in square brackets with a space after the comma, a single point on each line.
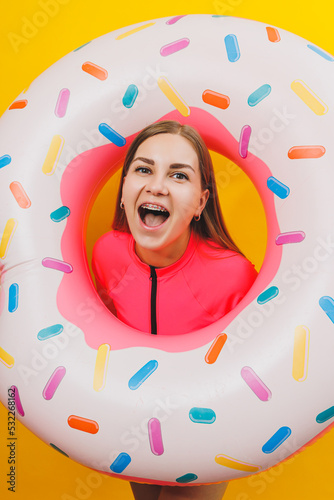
[143, 170]
[180, 175]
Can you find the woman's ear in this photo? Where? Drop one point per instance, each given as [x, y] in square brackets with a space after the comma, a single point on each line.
[204, 198]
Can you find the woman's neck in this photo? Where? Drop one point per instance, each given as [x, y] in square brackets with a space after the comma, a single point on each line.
[163, 257]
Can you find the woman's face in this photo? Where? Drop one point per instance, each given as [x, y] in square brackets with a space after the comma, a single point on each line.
[161, 194]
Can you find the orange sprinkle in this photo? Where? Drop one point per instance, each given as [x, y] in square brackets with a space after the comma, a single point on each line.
[215, 348]
[20, 195]
[95, 70]
[83, 424]
[273, 34]
[299, 152]
[215, 99]
[18, 104]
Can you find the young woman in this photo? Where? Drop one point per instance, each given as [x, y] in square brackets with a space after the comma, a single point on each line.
[169, 265]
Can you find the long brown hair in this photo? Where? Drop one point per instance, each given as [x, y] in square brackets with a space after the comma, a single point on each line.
[211, 225]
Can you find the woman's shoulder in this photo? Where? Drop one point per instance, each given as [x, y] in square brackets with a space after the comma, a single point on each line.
[112, 240]
[229, 265]
[219, 278]
[110, 246]
[213, 251]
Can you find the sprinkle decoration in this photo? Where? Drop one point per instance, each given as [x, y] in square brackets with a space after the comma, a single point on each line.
[54, 382]
[276, 440]
[62, 103]
[120, 463]
[273, 34]
[301, 353]
[216, 99]
[83, 424]
[215, 348]
[173, 96]
[232, 48]
[290, 237]
[173, 47]
[141, 375]
[302, 152]
[267, 295]
[309, 97]
[19, 194]
[21, 104]
[95, 70]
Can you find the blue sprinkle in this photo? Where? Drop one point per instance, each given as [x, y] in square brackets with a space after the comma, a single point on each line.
[111, 135]
[13, 297]
[259, 94]
[276, 440]
[187, 478]
[202, 415]
[84, 45]
[58, 449]
[60, 214]
[327, 305]
[5, 160]
[325, 415]
[130, 96]
[232, 48]
[50, 331]
[267, 295]
[142, 374]
[321, 52]
[278, 188]
[121, 462]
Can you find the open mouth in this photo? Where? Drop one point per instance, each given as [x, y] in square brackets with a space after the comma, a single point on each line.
[153, 215]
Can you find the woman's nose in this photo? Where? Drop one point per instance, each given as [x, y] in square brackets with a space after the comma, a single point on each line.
[157, 185]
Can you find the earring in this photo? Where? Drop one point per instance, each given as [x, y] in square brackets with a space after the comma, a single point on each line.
[121, 205]
[197, 217]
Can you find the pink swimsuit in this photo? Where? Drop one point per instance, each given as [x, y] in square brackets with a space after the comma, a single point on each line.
[198, 289]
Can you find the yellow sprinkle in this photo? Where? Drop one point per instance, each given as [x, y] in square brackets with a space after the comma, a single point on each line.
[53, 155]
[301, 353]
[309, 97]
[6, 358]
[173, 96]
[101, 367]
[7, 237]
[231, 463]
[135, 30]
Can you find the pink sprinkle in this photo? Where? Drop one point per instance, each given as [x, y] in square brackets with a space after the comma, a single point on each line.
[17, 400]
[169, 49]
[291, 237]
[244, 140]
[53, 382]
[62, 103]
[174, 20]
[255, 383]
[58, 265]
[154, 432]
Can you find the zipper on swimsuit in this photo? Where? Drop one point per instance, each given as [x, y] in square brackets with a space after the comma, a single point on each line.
[153, 278]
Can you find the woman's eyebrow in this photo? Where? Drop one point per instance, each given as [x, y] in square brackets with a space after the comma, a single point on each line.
[145, 160]
[181, 165]
[173, 165]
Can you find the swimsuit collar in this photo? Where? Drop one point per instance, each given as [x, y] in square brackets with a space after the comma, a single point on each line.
[168, 270]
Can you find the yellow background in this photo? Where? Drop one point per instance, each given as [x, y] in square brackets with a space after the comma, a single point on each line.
[42, 472]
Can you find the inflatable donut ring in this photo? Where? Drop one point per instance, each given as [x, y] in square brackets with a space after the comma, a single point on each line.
[241, 394]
